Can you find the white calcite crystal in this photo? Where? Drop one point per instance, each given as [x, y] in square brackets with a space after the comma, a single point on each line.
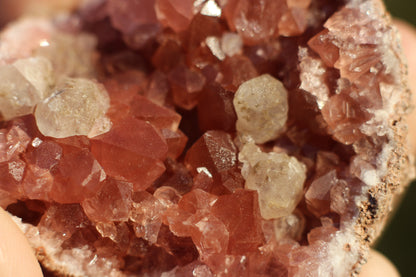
[77, 107]
[277, 177]
[71, 55]
[312, 77]
[21, 38]
[231, 44]
[261, 105]
[24, 84]
[39, 72]
[289, 226]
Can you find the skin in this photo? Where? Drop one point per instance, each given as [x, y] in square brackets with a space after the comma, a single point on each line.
[17, 257]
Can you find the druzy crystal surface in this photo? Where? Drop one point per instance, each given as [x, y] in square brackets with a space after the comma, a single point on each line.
[196, 138]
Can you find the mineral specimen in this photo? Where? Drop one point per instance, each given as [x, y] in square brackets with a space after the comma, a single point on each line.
[76, 107]
[261, 107]
[203, 138]
[277, 178]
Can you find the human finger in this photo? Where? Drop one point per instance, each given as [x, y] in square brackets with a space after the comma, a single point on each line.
[16, 256]
[378, 266]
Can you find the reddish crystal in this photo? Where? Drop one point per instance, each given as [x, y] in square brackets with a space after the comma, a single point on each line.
[293, 22]
[322, 44]
[176, 14]
[255, 21]
[241, 215]
[111, 203]
[11, 176]
[215, 154]
[176, 142]
[186, 84]
[140, 149]
[236, 70]
[159, 116]
[215, 98]
[41, 160]
[318, 194]
[146, 215]
[77, 176]
[136, 19]
[344, 117]
[62, 221]
[168, 55]
[13, 141]
[158, 88]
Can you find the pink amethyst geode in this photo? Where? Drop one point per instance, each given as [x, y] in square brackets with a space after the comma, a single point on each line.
[202, 137]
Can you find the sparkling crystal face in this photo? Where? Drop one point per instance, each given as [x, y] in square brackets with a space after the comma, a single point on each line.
[196, 138]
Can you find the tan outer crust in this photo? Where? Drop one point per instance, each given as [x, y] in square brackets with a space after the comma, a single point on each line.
[374, 212]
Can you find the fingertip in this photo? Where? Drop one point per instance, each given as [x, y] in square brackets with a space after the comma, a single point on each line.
[378, 266]
[16, 256]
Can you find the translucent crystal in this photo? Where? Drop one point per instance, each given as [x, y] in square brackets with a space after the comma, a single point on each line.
[176, 14]
[71, 55]
[241, 215]
[215, 154]
[39, 72]
[146, 216]
[25, 84]
[21, 38]
[254, 21]
[77, 176]
[236, 70]
[215, 97]
[111, 203]
[77, 107]
[140, 149]
[312, 76]
[289, 226]
[231, 44]
[261, 106]
[38, 179]
[135, 19]
[277, 177]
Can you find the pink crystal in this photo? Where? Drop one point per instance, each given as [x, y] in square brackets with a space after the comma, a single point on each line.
[111, 203]
[136, 19]
[186, 84]
[158, 116]
[176, 14]
[130, 141]
[236, 70]
[322, 44]
[215, 98]
[146, 215]
[344, 117]
[241, 216]
[255, 21]
[213, 153]
[77, 176]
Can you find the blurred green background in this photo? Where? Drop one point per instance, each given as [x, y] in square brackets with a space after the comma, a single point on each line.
[398, 242]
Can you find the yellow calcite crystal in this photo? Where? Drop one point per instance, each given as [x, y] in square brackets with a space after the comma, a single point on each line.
[77, 107]
[277, 177]
[261, 106]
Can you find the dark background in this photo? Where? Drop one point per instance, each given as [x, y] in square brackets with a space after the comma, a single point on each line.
[398, 242]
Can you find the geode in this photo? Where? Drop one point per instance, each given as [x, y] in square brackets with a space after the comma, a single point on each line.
[202, 137]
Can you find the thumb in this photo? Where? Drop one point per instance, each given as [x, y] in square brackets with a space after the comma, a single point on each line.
[16, 256]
